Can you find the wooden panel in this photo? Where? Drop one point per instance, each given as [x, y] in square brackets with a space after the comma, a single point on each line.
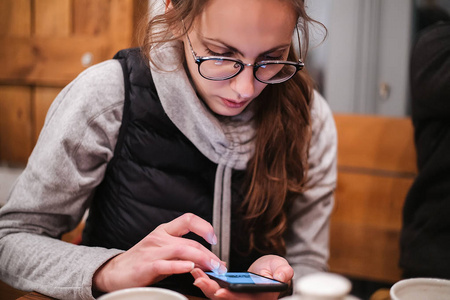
[365, 225]
[53, 59]
[378, 143]
[376, 167]
[121, 20]
[370, 199]
[49, 61]
[140, 16]
[43, 98]
[122, 24]
[15, 18]
[52, 18]
[43, 42]
[91, 17]
[15, 124]
[368, 253]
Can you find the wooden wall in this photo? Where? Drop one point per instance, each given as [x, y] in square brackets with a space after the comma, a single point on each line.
[44, 44]
[376, 167]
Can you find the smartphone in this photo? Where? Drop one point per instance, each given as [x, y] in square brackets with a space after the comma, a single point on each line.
[247, 282]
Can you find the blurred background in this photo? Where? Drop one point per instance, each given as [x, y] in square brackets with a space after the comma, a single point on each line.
[362, 67]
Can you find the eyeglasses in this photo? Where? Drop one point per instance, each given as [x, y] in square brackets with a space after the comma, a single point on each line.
[268, 71]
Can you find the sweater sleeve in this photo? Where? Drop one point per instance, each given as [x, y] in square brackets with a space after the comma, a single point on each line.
[307, 238]
[54, 191]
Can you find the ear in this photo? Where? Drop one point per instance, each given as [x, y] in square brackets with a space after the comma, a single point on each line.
[169, 5]
[175, 31]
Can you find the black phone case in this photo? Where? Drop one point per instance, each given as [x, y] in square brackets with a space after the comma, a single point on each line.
[250, 288]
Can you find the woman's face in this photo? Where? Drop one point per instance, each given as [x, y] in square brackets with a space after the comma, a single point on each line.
[249, 30]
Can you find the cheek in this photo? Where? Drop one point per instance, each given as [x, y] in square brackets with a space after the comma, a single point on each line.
[259, 87]
[191, 67]
[207, 88]
[198, 80]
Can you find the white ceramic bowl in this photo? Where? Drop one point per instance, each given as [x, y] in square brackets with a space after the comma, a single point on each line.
[421, 288]
[143, 293]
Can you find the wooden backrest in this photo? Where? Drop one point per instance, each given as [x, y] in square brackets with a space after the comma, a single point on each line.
[376, 167]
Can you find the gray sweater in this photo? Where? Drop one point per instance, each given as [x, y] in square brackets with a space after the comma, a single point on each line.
[69, 161]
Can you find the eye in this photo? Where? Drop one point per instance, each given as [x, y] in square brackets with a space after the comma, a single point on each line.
[276, 55]
[271, 57]
[212, 53]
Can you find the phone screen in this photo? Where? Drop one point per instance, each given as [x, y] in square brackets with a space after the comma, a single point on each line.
[247, 282]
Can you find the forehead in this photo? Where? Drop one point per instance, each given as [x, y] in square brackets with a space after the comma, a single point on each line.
[249, 21]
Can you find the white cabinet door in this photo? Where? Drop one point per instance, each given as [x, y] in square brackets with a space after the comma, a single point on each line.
[368, 56]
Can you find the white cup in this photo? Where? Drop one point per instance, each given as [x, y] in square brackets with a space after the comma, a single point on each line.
[323, 286]
[143, 293]
[421, 288]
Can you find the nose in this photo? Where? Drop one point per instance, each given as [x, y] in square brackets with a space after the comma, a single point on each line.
[244, 83]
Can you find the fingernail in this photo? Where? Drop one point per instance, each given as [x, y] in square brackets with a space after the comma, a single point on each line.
[219, 293]
[196, 282]
[192, 266]
[212, 239]
[222, 270]
[279, 276]
[215, 265]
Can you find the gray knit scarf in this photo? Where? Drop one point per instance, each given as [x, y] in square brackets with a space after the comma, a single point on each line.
[227, 142]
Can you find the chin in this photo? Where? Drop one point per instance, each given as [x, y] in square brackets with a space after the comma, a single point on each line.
[228, 112]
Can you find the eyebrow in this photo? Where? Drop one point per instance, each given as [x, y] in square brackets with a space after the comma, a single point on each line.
[280, 47]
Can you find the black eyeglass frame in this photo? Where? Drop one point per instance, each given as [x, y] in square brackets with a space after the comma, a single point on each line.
[200, 59]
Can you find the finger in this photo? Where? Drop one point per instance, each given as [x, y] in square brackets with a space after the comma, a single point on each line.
[159, 238]
[226, 294]
[191, 223]
[273, 266]
[156, 271]
[202, 258]
[212, 262]
[169, 267]
[212, 290]
[188, 242]
[198, 273]
[283, 273]
[266, 273]
[209, 287]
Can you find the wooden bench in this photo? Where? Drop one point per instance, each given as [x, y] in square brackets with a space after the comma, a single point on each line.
[376, 167]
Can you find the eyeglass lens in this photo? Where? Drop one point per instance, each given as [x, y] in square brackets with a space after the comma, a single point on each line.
[275, 73]
[219, 69]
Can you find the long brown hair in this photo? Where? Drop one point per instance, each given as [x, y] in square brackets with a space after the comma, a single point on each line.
[276, 173]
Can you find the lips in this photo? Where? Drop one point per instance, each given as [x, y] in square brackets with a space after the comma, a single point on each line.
[233, 103]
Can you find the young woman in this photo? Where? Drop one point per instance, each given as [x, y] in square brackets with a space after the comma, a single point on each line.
[216, 154]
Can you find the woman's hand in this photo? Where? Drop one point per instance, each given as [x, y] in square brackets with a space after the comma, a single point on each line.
[161, 253]
[271, 266]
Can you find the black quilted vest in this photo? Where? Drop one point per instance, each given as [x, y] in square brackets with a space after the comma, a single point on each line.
[156, 174]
